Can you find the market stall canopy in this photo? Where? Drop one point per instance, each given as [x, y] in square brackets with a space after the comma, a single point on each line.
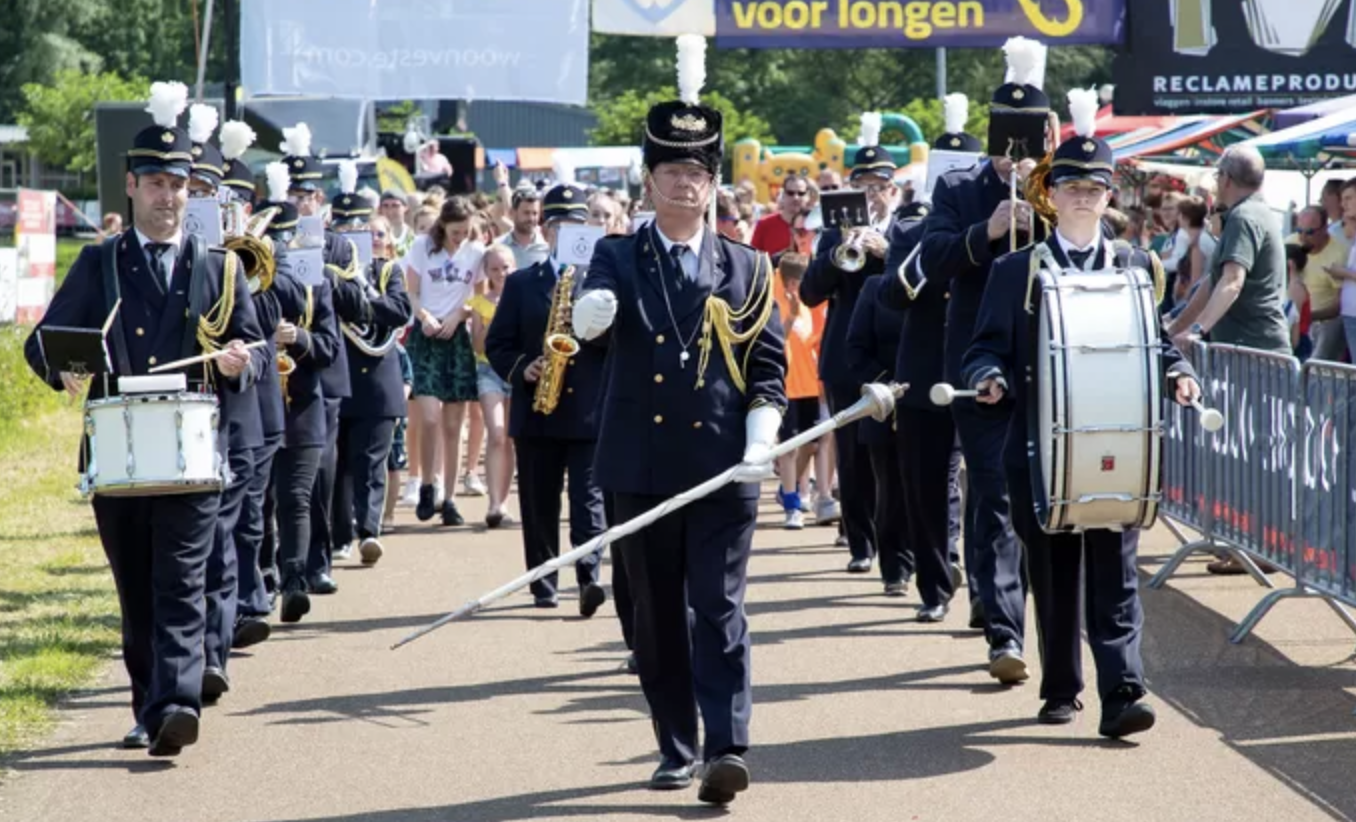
[1302, 114]
[1313, 143]
[1192, 139]
[1109, 124]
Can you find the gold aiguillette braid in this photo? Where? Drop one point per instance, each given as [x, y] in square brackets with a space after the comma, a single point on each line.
[725, 320]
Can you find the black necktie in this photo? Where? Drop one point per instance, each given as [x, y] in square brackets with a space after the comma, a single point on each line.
[678, 252]
[155, 252]
[1079, 258]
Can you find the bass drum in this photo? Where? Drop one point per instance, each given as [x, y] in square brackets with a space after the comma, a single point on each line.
[1095, 425]
[152, 445]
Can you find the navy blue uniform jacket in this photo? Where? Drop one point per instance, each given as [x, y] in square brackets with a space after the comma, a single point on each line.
[661, 432]
[919, 358]
[825, 281]
[378, 391]
[516, 337]
[315, 351]
[1004, 334]
[285, 298]
[872, 341]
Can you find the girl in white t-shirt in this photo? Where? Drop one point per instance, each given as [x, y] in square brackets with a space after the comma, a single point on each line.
[443, 269]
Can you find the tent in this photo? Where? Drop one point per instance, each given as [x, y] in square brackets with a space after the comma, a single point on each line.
[1314, 144]
[1303, 114]
[1191, 139]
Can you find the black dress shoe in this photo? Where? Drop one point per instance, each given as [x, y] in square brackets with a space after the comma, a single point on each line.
[214, 684]
[631, 667]
[671, 776]
[136, 738]
[932, 613]
[322, 583]
[425, 510]
[250, 631]
[591, 598]
[1124, 714]
[859, 566]
[1006, 664]
[551, 601]
[451, 516]
[722, 779]
[1059, 711]
[295, 602]
[177, 731]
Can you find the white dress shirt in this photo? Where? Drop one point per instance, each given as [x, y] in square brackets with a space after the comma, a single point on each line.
[694, 245]
[168, 259]
[1067, 246]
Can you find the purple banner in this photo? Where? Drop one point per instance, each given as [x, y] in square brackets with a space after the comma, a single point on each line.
[851, 24]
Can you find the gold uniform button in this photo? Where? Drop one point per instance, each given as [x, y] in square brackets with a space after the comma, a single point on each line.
[659, 340]
[697, 424]
[658, 377]
[151, 361]
[569, 390]
[364, 371]
[946, 296]
[658, 419]
[141, 332]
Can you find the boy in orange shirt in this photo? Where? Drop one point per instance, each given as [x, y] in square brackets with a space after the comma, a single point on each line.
[803, 327]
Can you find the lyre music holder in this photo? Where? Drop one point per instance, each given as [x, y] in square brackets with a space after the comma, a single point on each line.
[844, 209]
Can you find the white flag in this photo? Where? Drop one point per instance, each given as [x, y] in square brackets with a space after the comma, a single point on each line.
[655, 18]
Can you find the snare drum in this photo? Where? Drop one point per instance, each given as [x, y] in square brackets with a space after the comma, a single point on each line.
[152, 444]
[1095, 423]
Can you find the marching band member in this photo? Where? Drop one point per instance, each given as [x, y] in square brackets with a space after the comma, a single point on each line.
[244, 433]
[929, 460]
[283, 298]
[178, 298]
[873, 170]
[695, 374]
[368, 416]
[553, 405]
[966, 231]
[870, 349]
[1098, 566]
[307, 173]
[308, 345]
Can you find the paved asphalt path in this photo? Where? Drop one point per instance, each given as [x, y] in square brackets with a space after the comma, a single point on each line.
[860, 713]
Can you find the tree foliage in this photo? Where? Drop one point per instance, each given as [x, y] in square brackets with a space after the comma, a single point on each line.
[621, 120]
[60, 117]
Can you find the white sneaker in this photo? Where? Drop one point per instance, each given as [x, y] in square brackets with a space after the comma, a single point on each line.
[410, 496]
[827, 511]
[438, 495]
[795, 520]
[370, 551]
[472, 486]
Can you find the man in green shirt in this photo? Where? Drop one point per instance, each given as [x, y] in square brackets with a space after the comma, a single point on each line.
[1244, 304]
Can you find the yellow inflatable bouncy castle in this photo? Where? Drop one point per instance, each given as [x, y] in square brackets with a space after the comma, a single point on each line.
[767, 166]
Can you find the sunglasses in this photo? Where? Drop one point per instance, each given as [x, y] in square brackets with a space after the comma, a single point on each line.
[795, 193]
[828, 188]
[380, 235]
[1308, 232]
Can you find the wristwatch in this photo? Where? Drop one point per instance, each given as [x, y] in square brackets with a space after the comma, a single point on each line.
[1198, 330]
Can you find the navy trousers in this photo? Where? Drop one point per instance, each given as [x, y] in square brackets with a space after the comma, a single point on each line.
[295, 480]
[253, 532]
[1098, 569]
[856, 483]
[990, 541]
[897, 560]
[696, 557]
[927, 455]
[157, 548]
[322, 499]
[542, 466]
[223, 565]
[360, 491]
[621, 588]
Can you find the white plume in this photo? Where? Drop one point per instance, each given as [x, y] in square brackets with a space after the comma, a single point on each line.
[1026, 61]
[1083, 110]
[1106, 93]
[348, 176]
[870, 133]
[562, 169]
[955, 112]
[297, 141]
[691, 67]
[235, 138]
[278, 181]
[168, 101]
[202, 121]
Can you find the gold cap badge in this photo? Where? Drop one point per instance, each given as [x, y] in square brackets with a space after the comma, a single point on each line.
[688, 122]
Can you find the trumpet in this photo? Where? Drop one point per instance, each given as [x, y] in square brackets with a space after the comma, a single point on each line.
[255, 253]
[850, 255]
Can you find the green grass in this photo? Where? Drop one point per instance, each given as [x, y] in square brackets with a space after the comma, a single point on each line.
[68, 248]
[58, 608]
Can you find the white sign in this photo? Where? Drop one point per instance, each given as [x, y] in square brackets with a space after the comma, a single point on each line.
[575, 242]
[9, 284]
[203, 218]
[398, 49]
[362, 240]
[311, 232]
[941, 161]
[308, 265]
[655, 18]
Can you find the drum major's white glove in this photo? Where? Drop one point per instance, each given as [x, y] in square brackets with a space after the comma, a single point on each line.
[594, 313]
[760, 434]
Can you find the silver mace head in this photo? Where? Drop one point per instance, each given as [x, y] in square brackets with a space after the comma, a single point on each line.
[880, 399]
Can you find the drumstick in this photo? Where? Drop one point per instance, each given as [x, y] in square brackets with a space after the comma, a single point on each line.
[1211, 419]
[202, 358]
[943, 394]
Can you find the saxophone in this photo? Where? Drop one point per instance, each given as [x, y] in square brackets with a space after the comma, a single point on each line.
[559, 346]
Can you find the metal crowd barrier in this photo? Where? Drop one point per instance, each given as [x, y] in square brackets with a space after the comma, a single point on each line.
[1275, 483]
